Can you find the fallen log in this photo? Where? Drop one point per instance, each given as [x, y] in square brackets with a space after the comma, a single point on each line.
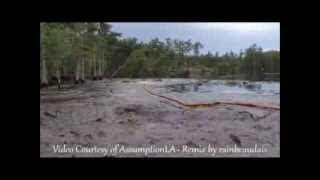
[201, 105]
[118, 70]
[172, 104]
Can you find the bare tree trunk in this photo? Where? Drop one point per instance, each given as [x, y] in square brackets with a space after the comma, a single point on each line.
[58, 76]
[82, 78]
[44, 78]
[185, 66]
[90, 62]
[94, 67]
[78, 71]
[98, 67]
[99, 70]
[188, 68]
[102, 66]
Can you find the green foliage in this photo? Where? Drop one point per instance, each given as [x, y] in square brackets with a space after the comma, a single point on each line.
[135, 64]
[256, 62]
[64, 44]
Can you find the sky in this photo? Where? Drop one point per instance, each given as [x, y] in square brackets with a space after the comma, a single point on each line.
[216, 37]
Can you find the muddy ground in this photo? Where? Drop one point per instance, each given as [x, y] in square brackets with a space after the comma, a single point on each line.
[120, 111]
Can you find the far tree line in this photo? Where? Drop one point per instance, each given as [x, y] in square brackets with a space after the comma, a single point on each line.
[75, 52]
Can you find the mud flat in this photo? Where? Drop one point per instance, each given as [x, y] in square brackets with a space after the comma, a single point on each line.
[80, 121]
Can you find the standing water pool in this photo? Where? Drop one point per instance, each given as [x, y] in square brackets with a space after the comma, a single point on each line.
[193, 91]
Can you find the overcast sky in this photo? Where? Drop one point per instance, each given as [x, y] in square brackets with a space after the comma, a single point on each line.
[220, 37]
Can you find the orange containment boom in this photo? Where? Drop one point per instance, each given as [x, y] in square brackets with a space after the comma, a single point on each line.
[201, 105]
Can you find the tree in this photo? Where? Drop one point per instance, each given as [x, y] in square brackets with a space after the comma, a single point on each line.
[91, 50]
[78, 50]
[135, 63]
[58, 48]
[44, 77]
[196, 48]
[186, 48]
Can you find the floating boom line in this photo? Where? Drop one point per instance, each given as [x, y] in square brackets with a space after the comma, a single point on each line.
[199, 105]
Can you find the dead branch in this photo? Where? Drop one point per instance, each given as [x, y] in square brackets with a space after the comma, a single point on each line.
[120, 67]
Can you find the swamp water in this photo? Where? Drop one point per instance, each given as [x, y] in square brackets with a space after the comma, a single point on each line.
[222, 90]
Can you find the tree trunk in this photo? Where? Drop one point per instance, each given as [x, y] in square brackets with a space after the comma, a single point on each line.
[82, 78]
[100, 69]
[188, 68]
[90, 62]
[78, 71]
[102, 66]
[58, 76]
[94, 68]
[44, 78]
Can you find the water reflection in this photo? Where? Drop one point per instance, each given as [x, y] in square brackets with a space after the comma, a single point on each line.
[224, 90]
[236, 87]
